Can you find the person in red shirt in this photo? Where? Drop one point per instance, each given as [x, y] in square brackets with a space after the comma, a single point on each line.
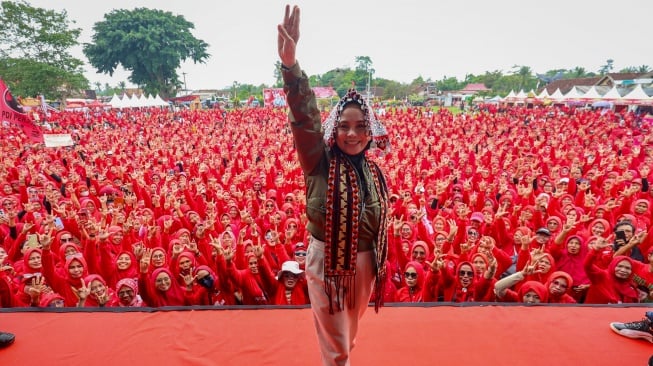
[612, 285]
[290, 287]
[558, 286]
[414, 280]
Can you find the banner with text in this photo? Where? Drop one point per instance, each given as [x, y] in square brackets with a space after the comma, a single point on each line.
[12, 112]
[56, 140]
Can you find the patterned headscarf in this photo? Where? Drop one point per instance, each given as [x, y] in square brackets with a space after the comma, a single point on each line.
[380, 139]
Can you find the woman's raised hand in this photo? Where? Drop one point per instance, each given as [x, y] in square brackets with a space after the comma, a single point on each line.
[288, 36]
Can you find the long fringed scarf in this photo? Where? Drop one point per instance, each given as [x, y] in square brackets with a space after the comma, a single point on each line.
[344, 208]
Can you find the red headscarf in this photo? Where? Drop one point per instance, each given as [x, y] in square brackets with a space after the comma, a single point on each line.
[564, 297]
[174, 296]
[536, 286]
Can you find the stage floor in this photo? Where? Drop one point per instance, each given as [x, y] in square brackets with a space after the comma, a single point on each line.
[406, 335]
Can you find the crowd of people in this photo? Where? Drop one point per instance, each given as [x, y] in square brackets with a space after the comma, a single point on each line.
[172, 208]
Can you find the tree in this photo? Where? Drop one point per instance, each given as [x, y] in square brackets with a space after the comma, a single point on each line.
[34, 57]
[363, 63]
[578, 72]
[278, 78]
[447, 84]
[525, 76]
[489, 78]
[636, 69]
[150, 43]
[607, 67]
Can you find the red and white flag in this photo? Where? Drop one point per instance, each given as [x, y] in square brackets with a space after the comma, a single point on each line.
[13, 113]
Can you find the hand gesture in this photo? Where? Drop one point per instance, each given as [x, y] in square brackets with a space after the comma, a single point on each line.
[437, 264]
[258, 251]
[529, 269]
[102, 299]
[288, 36]
[397, 224]
[493, 264]
[145, 260]
[138, 249]
[453, 228]
[46, 241]
[192, 247]
[216, 244]
[188, 279]
[177, 249]
[600, 243]
[37, 287]
[228, 254]
[103, 234]
[82, 292]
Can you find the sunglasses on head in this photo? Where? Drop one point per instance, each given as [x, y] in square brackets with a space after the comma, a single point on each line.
[410, 274]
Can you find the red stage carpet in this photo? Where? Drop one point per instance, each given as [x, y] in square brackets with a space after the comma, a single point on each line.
[438, 335]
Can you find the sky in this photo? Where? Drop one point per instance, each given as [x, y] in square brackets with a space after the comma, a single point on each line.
[404, 39]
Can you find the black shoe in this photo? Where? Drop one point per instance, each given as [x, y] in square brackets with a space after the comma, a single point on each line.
[641, 329]
[6, 339]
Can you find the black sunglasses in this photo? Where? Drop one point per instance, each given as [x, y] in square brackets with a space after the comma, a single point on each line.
[410, 274]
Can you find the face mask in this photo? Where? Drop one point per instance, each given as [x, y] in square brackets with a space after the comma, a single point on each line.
[206, 282]
[84, 194]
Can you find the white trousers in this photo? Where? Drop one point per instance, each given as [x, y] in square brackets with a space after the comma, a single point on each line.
[336, 333]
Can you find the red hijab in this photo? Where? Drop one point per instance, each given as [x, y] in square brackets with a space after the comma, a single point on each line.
[174, 296]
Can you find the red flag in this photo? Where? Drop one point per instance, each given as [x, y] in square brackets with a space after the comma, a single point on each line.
[13, 113]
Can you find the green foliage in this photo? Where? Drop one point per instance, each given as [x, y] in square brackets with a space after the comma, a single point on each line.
[449, 83]
[149, 43]
[34, 52]
[278, 78]
[636, 69]
[607, 67]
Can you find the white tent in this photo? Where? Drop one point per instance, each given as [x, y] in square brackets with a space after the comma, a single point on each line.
[160, 101]
[149, 101]
[557, 95]
[573, 94]
[543, 94]
[637, 96]
[511, 97]
[591, 94]
[521, 95]
[115, 101]
[612, 94]
[133, 101]
[141, 101]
